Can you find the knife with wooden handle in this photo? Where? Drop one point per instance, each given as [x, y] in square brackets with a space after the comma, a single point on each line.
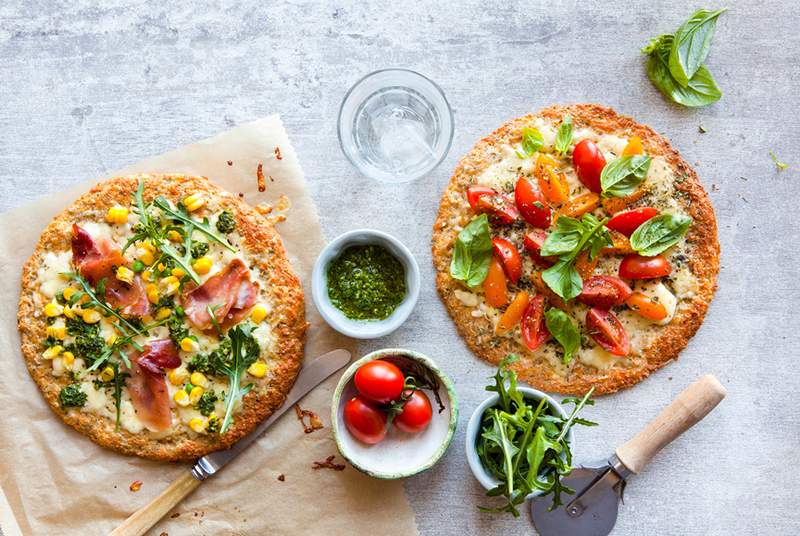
[143, 519]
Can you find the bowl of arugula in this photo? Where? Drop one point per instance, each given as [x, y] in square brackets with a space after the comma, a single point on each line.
[519, 441]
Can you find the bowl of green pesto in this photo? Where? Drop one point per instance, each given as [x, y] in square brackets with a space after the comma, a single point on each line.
[365, 283]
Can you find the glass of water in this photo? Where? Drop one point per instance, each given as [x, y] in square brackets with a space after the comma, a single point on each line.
[395, 125]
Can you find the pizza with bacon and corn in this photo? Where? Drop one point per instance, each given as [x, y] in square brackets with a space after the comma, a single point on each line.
[580, 240]
[160, 317]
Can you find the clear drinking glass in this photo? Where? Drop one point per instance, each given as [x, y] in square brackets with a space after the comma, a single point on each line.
[395, 125]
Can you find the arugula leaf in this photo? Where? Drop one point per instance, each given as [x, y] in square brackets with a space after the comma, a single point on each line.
[532, 141]
[780, 165]
[244, 351]
[183, 216]
[564, 135]
[622, 176]
[659, 234]
[473, 252]
[701, 89]
[692, 44]
[564, 331]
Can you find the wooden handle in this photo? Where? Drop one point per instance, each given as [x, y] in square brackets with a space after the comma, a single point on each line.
[689, 408]
[143, 519]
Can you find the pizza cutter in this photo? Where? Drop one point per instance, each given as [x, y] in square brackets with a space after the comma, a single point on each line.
[592, 510]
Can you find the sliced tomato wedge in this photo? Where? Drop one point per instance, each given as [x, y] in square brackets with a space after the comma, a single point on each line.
[635, 266]
[512, 261]
[532, 204]
[499, 207]
[534, 330]
[646, 306]
[476, 192]
[589, 163]
[630, 220]
[494, 286]
[513, 313]
[604, 291]
[607, 331]
[533, 245]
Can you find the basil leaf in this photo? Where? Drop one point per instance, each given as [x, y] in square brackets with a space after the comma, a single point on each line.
[622, 176]
[532, 141]
[692, 44]
[564, 279]
[473, 252]
[660, 233]
[564, 135]
[702, 90]
[564, 331]
[564, 239]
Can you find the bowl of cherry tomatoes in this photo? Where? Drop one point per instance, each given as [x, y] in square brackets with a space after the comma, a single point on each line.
[394, 413]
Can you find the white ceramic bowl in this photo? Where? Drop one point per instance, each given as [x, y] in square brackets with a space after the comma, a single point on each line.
[364, 329]
[486, 479]
[400, 454]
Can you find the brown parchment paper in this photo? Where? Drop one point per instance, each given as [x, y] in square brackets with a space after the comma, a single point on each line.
[58, 482]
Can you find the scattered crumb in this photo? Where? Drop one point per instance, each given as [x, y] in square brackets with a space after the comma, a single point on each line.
[271, 179]
[230, 162]
[278, 153]
[263, 208]
[743, 179]
[176, 514]
[262, 185]
[241, 194]
[714, 188]
[702, 129]
[314, 422]
[136, 485]
[283, 203]
[164, 534]
[282, 477]
[328, 464]
[276, 218]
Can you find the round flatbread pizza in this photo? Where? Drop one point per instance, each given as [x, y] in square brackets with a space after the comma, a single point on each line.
[580, 241]
[159, 316]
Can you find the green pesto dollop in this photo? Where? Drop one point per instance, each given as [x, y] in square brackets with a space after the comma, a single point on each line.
[366, 282]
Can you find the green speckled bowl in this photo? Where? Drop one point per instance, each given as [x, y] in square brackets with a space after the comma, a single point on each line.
[401, 454]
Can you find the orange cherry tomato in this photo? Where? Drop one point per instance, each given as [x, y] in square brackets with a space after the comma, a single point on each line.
[620, 245]
[553, 185]
[584, 265]
[512, 261]
[646, 307]
[617, 204]
[541, 287]
[634, 147]
[580, 205]
[494, 286]
[510, 317]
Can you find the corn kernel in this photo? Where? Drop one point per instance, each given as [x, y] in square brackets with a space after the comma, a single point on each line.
[69, 312]
[194, 202]
[117, 214]
[189, 345]
[169, 285]
[198, 379]
[68, 293]
[181, 397]
[202, 265]
[147, 275]
[161, 267]
[90, 316]
[53, 309]
[125, 274]
[177, 376]
[174, 236]
[111, 339]
[163, 313]
[194, 396]
[152, 293]
[198, 425]
[107, 374]
[259, 313]
[53, 351]
[178, 272]
[147, 246]
[147, 258]
[257, 369]
[57, 331]
[68, 358]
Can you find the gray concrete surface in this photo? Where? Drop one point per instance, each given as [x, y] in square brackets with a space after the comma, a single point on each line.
[87, 87]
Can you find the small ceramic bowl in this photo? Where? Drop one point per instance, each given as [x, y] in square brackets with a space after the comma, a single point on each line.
[400, 454]
[364, 329]
[486, 479]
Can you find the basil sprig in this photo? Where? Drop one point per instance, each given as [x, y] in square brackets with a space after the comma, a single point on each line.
[473, 252]
[692, 44]
[659, 234]
[564, 331]
[532, 141]
[564, 135]
[570, 238]
[622, 176]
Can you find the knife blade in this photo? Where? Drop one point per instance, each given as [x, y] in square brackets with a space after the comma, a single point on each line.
[312, 375]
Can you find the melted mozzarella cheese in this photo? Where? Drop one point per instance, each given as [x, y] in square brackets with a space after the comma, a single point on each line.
[598, 358]
[53, 264]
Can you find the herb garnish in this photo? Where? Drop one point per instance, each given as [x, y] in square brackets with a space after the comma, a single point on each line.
[564, 135]
[525, 446]
[692, 43]
[561, 327]
[659, 233]
[72, 396]
[244, 351]
[622, 176]
[532, 141]
[473, 252]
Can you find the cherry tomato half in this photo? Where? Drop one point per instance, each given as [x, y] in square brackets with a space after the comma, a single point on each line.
[532, 204]
[589, 163]
[534, 330]
[635, 266]
[365, 421]
[646, 306]
[533, 242]
[499, 207]
[494, 286]
[475, 192]
[630, 220]
[512, 262]
[417, 413]
[379, 381]
[607, 331]
[604, 291]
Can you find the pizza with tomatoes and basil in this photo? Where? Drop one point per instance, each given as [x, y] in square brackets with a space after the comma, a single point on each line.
[160, 317]
[580, 241]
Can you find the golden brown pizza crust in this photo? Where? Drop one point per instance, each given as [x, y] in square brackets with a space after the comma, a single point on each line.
[671, 340]
[266, 252]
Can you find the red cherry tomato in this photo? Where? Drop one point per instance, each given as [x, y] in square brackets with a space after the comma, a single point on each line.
[379, 381]
[630, 220]
[512, 262]
[607, 331]
[589, 163]
[534, 330]
[499, 207]
[365, 421]
[417, 413]
[604, 291]
[532, 203]
[533, 244]
[635, 266]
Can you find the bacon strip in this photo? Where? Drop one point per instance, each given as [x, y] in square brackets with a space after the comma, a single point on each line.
[230, 293]
[147, 386]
